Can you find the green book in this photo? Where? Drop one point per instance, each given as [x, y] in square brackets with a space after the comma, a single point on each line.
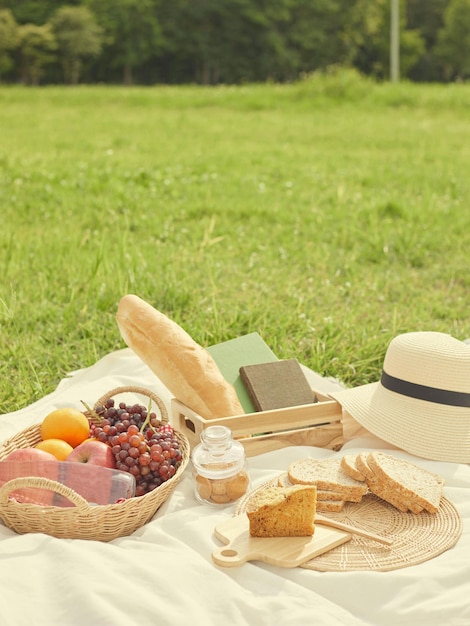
[230, 355]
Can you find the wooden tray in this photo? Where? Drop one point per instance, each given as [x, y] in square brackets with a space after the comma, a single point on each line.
[317, 424]
[279, 551]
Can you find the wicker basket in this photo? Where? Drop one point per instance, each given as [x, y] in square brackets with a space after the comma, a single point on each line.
[84, 521]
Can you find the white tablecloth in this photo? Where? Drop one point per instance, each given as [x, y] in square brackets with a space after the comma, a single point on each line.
[164, 573]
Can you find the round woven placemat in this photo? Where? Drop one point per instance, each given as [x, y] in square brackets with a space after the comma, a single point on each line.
[416, 538]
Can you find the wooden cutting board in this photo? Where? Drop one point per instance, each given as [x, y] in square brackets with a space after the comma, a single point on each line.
[280, 551]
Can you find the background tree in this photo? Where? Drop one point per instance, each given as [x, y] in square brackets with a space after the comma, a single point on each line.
[317, 32]
[36, 47]
[236, 41]
[370, 31]
[132, 33]
[426, 17]
[453, 47]
[364, 31]
[8, 39]
[78, 37]
[201, 35]
[35, 11]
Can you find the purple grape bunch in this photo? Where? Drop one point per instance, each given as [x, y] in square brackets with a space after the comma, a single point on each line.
[142, 445]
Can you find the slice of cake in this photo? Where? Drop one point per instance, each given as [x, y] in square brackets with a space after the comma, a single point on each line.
[282, 511]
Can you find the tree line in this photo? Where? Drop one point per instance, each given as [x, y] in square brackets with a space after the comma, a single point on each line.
[227, 41]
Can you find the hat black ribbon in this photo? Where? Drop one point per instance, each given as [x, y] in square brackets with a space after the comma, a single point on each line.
[421, 392]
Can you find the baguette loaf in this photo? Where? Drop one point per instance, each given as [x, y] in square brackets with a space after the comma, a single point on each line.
[184, 367]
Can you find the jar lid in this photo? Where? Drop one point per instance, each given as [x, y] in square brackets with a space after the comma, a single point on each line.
[217, 436]
[218, 455]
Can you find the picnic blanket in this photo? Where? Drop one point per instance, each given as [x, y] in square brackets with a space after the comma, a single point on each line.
[164, 573]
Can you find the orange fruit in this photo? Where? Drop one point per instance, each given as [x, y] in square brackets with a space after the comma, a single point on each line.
[67, 424]
[58, 447]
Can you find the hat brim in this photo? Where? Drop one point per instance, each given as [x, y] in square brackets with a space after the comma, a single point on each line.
[421, 428]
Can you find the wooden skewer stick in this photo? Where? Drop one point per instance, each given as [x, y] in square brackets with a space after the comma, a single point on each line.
[326, 521]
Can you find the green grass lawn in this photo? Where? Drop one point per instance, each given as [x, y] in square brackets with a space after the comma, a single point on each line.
[329, 216]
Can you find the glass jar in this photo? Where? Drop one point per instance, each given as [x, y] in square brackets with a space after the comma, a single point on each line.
[219, 467]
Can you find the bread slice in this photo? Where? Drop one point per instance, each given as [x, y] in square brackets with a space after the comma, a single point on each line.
[330, 506]
[282, 511]
[408, 481]
[382, 489]
[326, 474]
[322, 494]
[327, 501]
[363, 466]
[348, 464]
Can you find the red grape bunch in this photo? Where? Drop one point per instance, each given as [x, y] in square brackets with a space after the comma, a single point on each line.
[141, 444]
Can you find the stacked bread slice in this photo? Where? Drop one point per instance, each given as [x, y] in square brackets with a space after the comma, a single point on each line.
[326, 500]
[400, 482]
[334, 486]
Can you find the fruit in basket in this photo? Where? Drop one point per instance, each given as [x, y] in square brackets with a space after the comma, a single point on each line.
[93, 452]
[30, 454]
[140, 443]
[67, 424]
[57, 447]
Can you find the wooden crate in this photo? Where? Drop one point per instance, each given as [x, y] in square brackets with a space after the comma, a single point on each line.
[317, 424]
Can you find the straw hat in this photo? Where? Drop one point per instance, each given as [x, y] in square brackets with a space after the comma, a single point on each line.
[422, 402]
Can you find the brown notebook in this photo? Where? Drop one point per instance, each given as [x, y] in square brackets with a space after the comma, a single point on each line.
[277, 384]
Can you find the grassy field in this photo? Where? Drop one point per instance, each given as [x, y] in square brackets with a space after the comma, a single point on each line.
[328, 215]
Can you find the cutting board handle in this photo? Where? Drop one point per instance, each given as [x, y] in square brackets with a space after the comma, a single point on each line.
[229, 556]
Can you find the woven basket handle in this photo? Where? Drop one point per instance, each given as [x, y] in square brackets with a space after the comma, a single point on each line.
[38, 482]
[139, 390]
